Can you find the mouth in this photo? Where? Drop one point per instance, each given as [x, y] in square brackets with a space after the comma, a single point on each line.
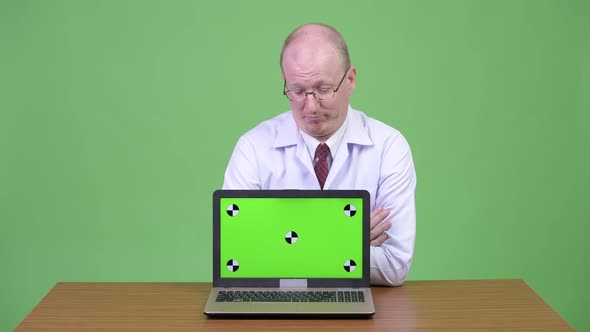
[314, 120]
[314, 117]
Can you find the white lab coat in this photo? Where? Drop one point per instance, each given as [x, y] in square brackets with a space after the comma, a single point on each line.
[371, 156]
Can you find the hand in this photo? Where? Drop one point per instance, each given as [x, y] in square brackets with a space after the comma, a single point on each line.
[378, 235]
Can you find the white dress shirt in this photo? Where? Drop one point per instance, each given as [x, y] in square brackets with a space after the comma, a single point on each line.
[371, 155]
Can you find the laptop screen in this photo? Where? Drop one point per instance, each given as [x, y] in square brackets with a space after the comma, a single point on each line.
[290, 234]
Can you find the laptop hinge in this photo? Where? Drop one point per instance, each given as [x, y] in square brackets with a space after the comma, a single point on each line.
[293, 283]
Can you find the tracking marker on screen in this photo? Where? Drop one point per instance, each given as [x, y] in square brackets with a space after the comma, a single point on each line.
[291, 237]
[349, 265]
[233, 265]
[350, 210]
[232, 210]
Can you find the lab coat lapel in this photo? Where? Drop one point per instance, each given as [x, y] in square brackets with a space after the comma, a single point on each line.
[355, 134]
[288, 135]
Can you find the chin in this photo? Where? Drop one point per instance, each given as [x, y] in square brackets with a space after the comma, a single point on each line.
[320, 135]
[315, 131]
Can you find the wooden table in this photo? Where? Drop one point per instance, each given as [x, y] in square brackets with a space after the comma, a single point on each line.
[508, 305]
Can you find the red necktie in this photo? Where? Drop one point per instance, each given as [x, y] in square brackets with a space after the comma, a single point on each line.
[321, 163]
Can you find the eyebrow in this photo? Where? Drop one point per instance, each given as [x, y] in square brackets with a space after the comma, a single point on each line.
[315, 86]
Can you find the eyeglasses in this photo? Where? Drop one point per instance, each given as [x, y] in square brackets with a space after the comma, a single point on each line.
[321, 93]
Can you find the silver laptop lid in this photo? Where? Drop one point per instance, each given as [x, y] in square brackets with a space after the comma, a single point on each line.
[291, 238]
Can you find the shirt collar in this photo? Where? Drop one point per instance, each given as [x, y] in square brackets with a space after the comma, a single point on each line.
[333, 142]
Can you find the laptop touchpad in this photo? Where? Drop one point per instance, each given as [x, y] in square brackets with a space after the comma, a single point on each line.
[276, 307]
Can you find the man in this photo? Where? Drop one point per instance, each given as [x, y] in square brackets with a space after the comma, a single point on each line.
[362, 153]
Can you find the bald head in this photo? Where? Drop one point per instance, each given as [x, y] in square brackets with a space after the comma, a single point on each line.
[315, 36]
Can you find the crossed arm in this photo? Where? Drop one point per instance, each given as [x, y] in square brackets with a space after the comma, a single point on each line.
[378, 235]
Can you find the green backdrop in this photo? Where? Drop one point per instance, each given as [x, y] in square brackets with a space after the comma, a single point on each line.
[117, 119]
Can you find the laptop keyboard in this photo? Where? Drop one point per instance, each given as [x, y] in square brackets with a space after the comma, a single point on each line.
[290, 296]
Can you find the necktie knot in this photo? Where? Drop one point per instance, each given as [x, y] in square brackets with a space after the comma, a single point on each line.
[321, 163]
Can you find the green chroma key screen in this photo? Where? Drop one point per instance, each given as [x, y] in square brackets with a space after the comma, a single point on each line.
[291, 237]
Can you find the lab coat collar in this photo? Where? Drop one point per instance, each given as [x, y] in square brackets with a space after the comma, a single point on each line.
[356, 132]
[287, 132]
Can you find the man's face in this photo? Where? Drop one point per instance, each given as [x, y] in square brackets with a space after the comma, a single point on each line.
[312, 66]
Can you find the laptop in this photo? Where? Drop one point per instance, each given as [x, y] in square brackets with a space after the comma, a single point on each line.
[291, 253]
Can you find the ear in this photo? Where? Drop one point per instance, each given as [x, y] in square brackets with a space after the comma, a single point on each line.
[351, 78]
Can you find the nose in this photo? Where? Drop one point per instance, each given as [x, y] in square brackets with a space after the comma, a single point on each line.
[312, 104]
